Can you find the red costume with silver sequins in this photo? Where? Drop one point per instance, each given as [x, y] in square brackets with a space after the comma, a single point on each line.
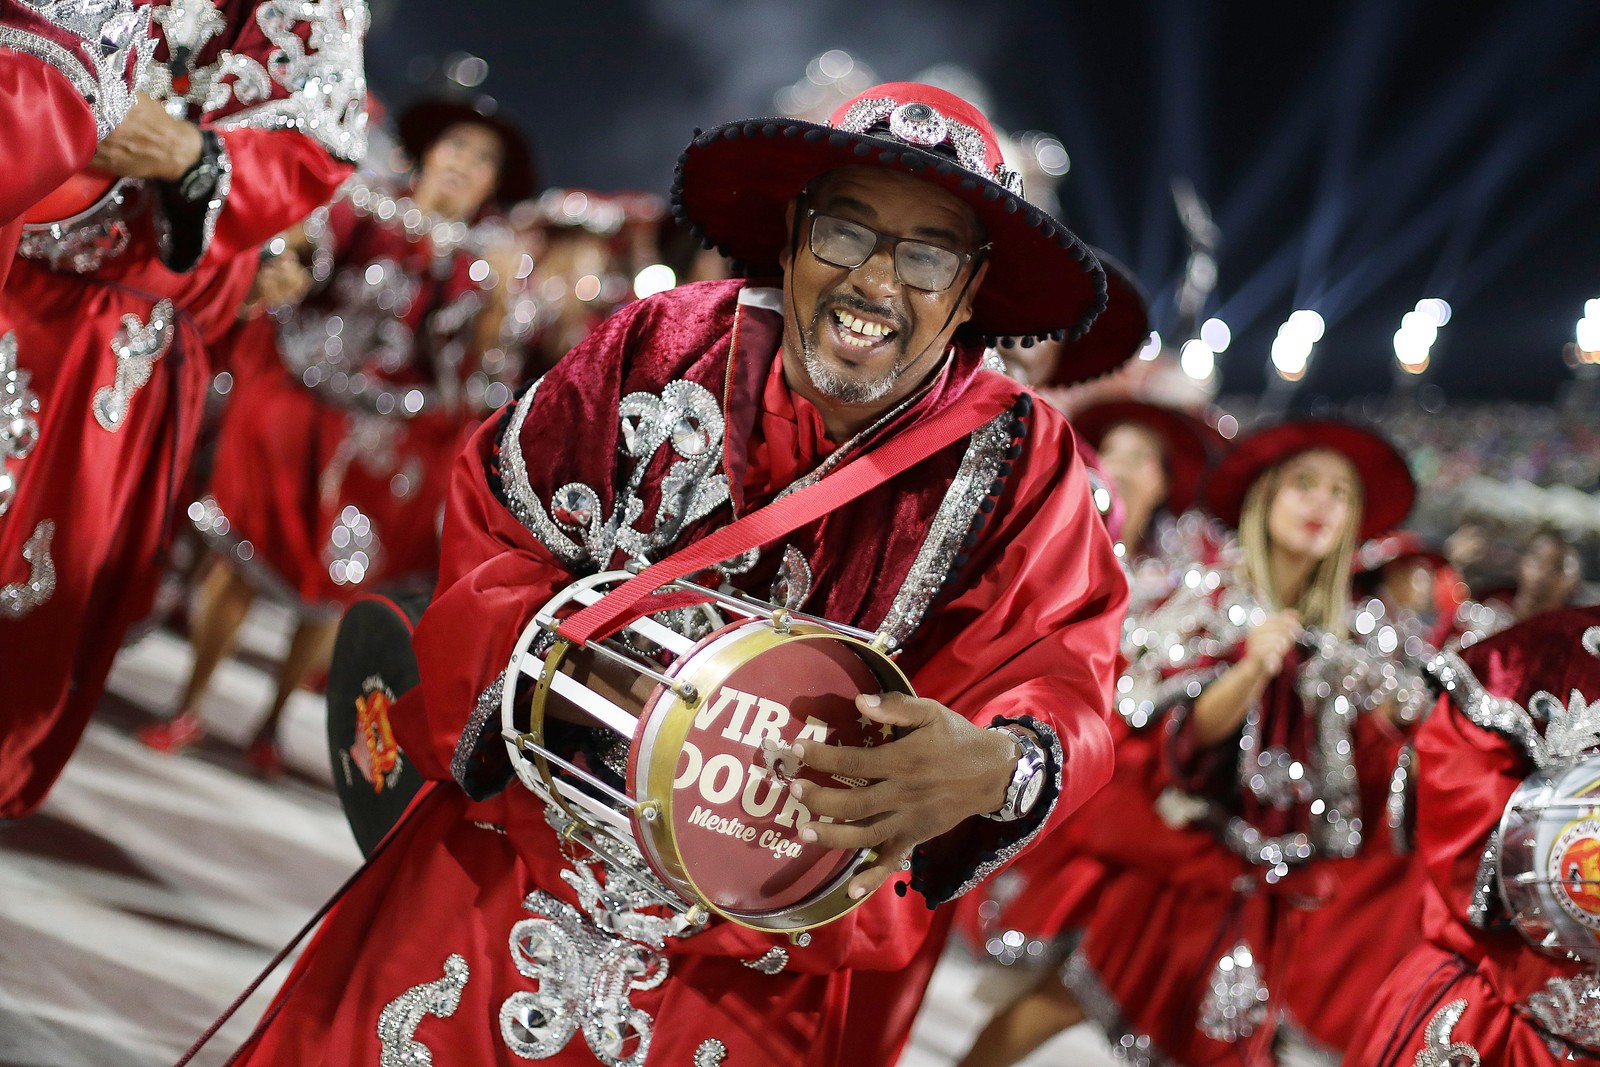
[335, 452]
[112, 316]
[422, 951]
[1477, 992]
[1210, 899]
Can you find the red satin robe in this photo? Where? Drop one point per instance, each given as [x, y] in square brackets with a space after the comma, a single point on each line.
[119, 363]
[1027, 627]
[1467, 773]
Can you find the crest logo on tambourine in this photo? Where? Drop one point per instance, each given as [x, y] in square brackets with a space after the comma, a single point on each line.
[1575, 867]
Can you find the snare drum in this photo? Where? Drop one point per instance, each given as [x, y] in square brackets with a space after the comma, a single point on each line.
[1549, 862]
[703, 794]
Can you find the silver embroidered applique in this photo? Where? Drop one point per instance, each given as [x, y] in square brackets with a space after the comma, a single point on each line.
[585, 978]
[711, 1053]
[924, 126]
[137, 346]
[685, 417]
[19, 419]
[1437, 1048]
[1570, 1008]
[324, 74]
[19, 598]
[1235, 1003]
[792, 586]
[771, 961]
[397, 1025]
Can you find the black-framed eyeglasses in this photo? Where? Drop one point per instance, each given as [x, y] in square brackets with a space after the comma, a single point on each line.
[916, 263]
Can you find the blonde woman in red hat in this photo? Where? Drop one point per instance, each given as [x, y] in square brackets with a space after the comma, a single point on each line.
[1263, 742]
[477, 933]
[352, 400]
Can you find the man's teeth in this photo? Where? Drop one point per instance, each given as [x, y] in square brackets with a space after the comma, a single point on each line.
[862, 327]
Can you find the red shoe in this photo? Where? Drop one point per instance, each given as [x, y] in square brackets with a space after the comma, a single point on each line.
[174, 735]
[263, 757]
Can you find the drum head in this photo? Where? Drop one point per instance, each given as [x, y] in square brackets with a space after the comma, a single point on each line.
[372, 670]
[729, 828]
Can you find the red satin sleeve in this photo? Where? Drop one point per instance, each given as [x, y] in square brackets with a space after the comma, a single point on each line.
[1464, 777]
[278, 178]
[1038, 629]
[49, 132]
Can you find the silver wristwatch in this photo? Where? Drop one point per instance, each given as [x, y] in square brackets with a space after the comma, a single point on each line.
[1027, 781]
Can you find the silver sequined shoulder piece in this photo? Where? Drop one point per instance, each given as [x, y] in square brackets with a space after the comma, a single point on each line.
[979, 467]
[1571, 728]
[324, 74]
[116, 40]
[1502, 715]
[1437, 1049]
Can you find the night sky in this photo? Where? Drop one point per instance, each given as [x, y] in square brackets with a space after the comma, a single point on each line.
[1357, 156]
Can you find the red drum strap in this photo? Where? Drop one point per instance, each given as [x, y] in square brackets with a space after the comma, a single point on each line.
[988, 397]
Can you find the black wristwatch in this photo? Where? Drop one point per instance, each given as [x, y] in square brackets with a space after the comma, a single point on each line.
[196, 184]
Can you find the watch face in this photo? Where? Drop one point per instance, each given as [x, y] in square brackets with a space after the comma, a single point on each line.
[1030, 793]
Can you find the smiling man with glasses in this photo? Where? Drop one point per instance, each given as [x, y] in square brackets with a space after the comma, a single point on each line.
[902, 241]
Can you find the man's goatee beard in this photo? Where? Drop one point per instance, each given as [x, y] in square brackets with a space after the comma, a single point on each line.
[845, 390]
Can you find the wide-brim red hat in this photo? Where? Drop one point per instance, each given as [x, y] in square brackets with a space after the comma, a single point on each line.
[424, 122]
[1387, 489]
[1188, 444]
[734, 184]
[1119, 331]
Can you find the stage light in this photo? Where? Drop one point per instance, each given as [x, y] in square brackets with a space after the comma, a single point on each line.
[656, 278]
[1589, 333]
[1197, 360]
[1438, 311]
[1420, 324]
[1291, 354]
[1228, 426]
[1306, 323]
[1151, 347]
[1411, 350]
[1216, 335]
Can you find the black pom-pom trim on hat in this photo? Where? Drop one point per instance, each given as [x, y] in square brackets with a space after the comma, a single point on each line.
[791, 131]
[862, 148]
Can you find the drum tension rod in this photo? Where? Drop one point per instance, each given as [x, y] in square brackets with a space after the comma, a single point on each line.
[684, 690]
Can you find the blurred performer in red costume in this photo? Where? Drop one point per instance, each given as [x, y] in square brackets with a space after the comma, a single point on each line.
[901, 238]
[1261, 742]
[1508, 828]
[247, 118]
[335, 453]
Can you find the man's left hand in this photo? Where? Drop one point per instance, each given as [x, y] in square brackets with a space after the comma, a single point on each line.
[149, 143]
[939, 772]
